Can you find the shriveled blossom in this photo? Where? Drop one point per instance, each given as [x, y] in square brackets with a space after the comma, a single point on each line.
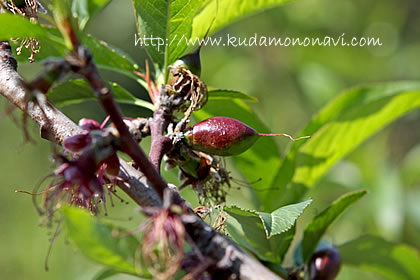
[163, 246]
[94, 133]
[78, 185]
[80, 177]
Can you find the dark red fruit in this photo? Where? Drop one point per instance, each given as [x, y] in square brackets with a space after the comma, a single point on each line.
[325, 264]
[224, 136]
[221, 136]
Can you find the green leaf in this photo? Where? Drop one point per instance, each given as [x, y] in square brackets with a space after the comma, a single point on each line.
[337, 130]
[374, 254]
[169, 21]
[77, 91]
[97, 240]
[105, 274]
[111, 58]
[262, 160]
[227, 11]
[266, 234]
[319, 225]
[85, 10]
[14, 26]
[216, 94]
[283, 218]
[251, 235]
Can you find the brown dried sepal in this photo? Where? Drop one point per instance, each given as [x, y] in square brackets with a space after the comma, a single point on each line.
[189, 87]
[163, 246]
[30, 10]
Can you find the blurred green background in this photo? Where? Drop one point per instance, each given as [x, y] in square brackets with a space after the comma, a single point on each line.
[292, 83]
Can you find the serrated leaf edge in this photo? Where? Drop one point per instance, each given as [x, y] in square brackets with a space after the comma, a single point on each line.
[287, 229]
[267, 235]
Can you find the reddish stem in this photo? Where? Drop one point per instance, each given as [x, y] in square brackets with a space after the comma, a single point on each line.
[128, 144]
[106, 120]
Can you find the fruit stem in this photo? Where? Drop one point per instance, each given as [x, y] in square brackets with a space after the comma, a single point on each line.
[284, 134]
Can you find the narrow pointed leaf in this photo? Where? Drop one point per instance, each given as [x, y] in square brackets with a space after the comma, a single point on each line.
[319, 225]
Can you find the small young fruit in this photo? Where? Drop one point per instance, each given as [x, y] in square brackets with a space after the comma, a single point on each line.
[223, 136]
[325, 264]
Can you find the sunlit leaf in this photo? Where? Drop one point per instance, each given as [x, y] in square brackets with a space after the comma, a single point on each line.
[227, 12]
[283, 218]
[266, 234]
[338, 129]
[169, 22]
